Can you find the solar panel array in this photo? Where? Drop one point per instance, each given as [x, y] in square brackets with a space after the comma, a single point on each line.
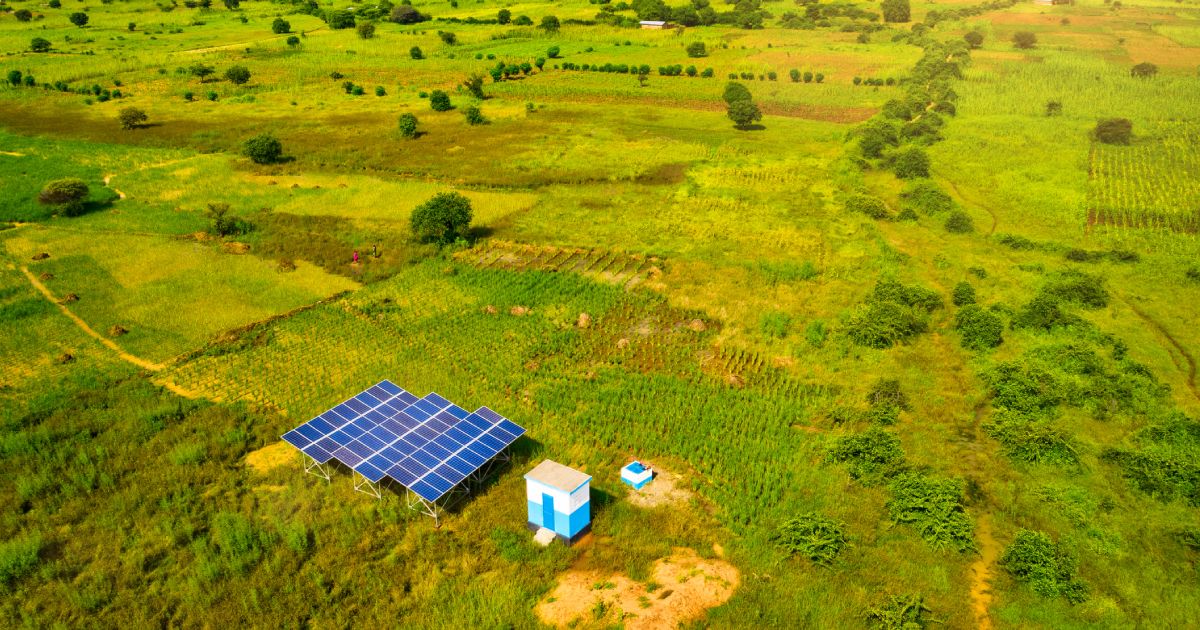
[428, 445]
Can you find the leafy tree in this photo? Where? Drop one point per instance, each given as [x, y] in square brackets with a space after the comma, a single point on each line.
[221, 223]
[439, 101]
[23, 15]
[735, 91]
[1024, 40]
[743, 113]
[293, 42]
[895, 10]
[552, 52]
[539, 62]
[474, 116]
[68, 194]
[794, 74]
[963, 294]
[405, 14]
[39, 45]
[233, 5]
[448, 38]
[696, 50]
[474, 85]
[14, 77]
[380, 91]
[408, 125]
[504, 16]
[415, 53]
[237, 75]
[974, 39]
[911, 163]
[1113, 131]
[959, 222]
[201, 70]
[339, 19]
[550, 24]
[280, 26]
[131, 117]
[79, 18]
[263, 149]
[1144, 70]
[55, 4]
[443, 219]
[523, 20]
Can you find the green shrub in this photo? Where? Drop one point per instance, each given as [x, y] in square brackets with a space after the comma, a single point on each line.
[1163, 459]
[899, 612]
[407, 125]
[1044, 312]
[816, 333]
[18, 557]
[238, 543]
[818, 538]
[439, 101]
[870, 456]
[959, 222]
[980, 329]
[474, 116]
[911, 163]
[926, 196]
[263, 149]
[1113, 131]
[1035, 559]
[1031, 440]
[1024, 388]
[443, 219]
[887, 393]
[67, 194]
[775, 324]
[963, 294]
[873, 207]
[1079, 288]
[884, 324]
[934, 507]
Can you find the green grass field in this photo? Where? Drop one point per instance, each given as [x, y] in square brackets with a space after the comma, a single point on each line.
[982, 377]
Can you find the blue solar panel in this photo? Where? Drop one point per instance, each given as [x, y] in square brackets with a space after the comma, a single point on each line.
[428, 445]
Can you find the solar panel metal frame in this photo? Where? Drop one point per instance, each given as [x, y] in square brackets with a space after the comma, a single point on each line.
[430, 434]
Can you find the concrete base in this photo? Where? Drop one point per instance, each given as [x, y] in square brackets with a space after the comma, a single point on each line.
[538, 529]
[544, 537]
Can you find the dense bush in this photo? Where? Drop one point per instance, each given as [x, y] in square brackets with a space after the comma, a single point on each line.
[873, 207]
[871, 456]
[893, 313]
[696, 50]
[39, 45]
[1078, 287]
[474, 116]
[1031, 440]
[1144, 70]
[813, 536]
[1163, 459]
[900, 612]
[222, 223]
[974, 39]
[1024, 388]
[66, 194]
[895, 10]
[18, 558]
[365, 30]
[1044, 312]
[1113, 131]
[980, 329]
[406, 14]
[934, 507]
[237, 75]
[407, 125]
[1024, 39]
[131, 117]
[911, 163]
[1048, 568]
[263, 149]
[281, 26]
[443, 219]
[926, 196]
[743, 113]
[439, 101]
[963, 294]
[959, 222]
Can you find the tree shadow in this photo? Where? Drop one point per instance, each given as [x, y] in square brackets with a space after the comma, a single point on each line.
[477, 232]
[754, 127]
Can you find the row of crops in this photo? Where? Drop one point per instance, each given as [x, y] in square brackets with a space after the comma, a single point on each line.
[1153, 184]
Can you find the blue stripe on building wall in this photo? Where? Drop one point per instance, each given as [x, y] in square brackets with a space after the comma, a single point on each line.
[579, 519]
[564, 524]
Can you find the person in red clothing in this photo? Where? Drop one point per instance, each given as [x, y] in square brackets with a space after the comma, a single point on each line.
[356, 257]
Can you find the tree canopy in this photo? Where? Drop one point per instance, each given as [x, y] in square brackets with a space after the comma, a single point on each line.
[443, 219]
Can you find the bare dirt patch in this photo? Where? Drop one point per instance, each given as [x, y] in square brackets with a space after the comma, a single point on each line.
[981, 573]
[270, 457]
[687, 586]
[665, 489]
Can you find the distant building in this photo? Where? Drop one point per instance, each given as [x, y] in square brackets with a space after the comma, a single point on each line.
[637, 475]
[559, 499]
[655, 24]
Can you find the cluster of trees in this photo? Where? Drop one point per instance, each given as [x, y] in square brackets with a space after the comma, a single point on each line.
[237, 75]
[874, 81]
[746, 14]
[817, 14]
[16, 78]
[504, 70]
[642, 70]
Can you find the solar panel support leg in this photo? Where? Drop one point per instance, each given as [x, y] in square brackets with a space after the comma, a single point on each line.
[427, 508]
[365, 486]
[313, 467]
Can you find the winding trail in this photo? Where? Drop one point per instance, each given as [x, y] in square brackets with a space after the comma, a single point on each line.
[1188, 364]
[981, 572]
[973, 201]
[105, 341]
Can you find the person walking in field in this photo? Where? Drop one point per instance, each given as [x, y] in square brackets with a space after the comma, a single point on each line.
[356, 256]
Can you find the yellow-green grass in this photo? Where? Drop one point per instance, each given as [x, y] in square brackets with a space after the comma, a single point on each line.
[171, 295]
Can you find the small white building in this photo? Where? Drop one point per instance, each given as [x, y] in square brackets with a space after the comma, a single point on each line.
[655, 24]
[559, 499]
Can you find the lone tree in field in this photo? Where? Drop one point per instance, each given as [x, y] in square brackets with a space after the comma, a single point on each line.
[415, 52]
[1024, 40]
[365, 30]
[201, 70]
[237, 75]
[405, 14]
[293, 42]
[474, 85]
[1113, 131]
[974, 39]
[696, 50]
[1144, 70]
[280, 26]
[131, 117]
[743, 113]
[439, 101]
[448, 38]
[39, 45]
[550, 24]
[66, 194]
[23, 15]
[911, 163]
[443, 219]
[79, 18]
[263, 149]
[474, 116]
[504, 16]
[407, 125]
[895, 11]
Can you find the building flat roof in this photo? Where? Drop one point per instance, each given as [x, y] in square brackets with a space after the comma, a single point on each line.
[556, 475]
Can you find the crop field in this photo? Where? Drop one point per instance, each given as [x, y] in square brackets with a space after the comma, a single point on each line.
[897, 298]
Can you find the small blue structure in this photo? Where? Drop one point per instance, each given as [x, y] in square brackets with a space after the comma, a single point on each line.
[559, 499]
[637, 475]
